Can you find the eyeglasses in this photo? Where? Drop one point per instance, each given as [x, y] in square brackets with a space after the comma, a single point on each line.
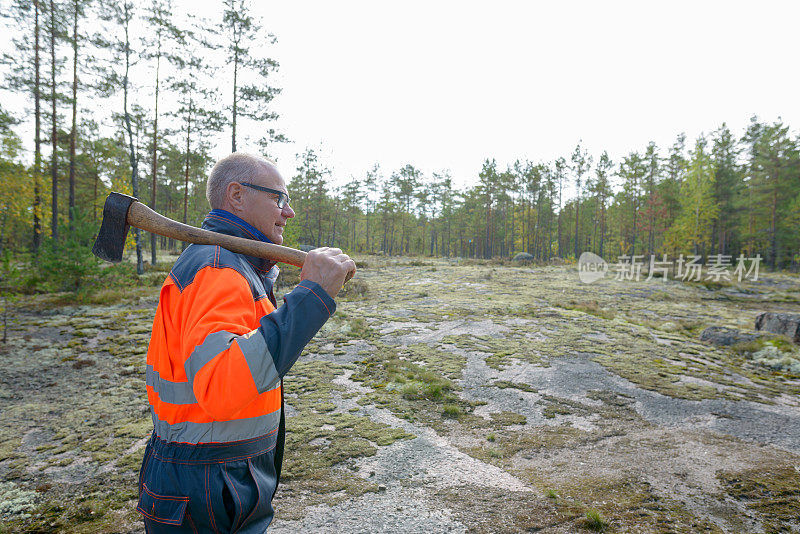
[283, 198]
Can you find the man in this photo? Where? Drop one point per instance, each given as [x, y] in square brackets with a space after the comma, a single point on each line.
[217, 357]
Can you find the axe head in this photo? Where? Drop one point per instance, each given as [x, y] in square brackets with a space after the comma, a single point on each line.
[114, 228]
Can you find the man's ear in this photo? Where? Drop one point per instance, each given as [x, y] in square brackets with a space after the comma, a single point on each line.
[234, 195]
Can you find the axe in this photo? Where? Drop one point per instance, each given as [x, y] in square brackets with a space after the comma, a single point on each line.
[120, 212]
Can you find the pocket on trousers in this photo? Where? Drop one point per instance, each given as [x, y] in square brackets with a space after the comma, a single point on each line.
[166, 509]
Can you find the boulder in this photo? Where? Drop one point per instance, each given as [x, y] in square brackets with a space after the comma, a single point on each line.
[522, 256]
[785, 324]
[306, 248]
[725, 337]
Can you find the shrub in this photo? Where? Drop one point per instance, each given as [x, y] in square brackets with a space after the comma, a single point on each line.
[353, 289]
[68, 264]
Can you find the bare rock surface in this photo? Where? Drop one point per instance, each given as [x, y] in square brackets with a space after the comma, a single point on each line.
[785, 324]
[447, 396]
[725, 337]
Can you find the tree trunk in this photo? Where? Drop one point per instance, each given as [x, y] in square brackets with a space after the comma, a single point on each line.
[74, 132]
[186, 171]
[129, 129]
[602, 224]
[153, 247]
[235, 89]
[54, 131]
[94, 201]
[773, 224]
[37, 171]
[577, 213]
[560, 248]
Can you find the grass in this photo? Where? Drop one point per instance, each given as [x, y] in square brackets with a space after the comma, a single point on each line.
[359, 328]
[452, 411]
[595, 521]
[591, 307]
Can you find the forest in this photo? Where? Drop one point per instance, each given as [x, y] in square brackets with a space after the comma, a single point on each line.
[122, 96]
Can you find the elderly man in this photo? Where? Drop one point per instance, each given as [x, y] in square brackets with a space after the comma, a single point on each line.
[217, 357]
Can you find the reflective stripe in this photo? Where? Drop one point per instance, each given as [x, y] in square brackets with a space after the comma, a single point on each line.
[253, 347]
[171, 392]
[217, 431]
[212, 345]
[265, 403]
[259, 360]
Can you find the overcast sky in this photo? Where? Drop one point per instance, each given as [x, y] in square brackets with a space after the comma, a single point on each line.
[446, 84]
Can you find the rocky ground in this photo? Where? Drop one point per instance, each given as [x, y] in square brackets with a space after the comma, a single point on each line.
[445, 396]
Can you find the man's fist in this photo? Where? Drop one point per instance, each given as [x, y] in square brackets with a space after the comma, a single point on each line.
[328, 267]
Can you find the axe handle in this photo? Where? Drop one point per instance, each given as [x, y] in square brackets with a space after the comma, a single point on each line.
[143, 217]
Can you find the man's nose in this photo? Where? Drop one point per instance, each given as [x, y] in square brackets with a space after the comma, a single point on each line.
[288, 212]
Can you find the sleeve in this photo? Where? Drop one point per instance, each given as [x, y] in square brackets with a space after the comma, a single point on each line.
[229, 363]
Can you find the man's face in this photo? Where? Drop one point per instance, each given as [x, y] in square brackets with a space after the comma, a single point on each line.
[261, 208]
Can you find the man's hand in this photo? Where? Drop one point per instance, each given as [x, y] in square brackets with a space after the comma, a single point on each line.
[328, 267]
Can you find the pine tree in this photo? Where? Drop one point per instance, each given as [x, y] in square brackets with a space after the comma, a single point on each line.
[25, 76]
[652, 204]
[692, 229]
[55, 33]
[581, 163]
[602, 191]
[371, 181]
[161, 44]
[558, 175]
[15, 183]
[670, 186]
[197, 110]
[773, 166]
[116, 78]
[728, 189]
[78, 12]
[251, 97]
[405, 183]
[632, 170]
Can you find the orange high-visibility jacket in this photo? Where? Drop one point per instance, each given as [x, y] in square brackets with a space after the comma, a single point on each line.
[219, 347]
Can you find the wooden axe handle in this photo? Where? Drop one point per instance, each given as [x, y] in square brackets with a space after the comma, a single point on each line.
[143, 217]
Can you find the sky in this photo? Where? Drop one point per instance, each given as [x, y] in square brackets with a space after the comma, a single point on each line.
[443, 84]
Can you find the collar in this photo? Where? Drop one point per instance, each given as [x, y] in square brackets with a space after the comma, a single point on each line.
[225, 222]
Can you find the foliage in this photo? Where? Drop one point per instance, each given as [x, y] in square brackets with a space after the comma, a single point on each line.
[68, 264]
[691, 231]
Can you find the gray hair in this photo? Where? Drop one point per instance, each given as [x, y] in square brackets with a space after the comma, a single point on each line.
[236, 167]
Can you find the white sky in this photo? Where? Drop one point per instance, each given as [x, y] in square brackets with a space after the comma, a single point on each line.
[446, 84]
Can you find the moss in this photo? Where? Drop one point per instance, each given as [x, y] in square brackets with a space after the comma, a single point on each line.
[445, 363]
[508, 418]
[501, 350]
[411, 390]
[452, 411]
[771, 492]
[488, 510]
[590, 307]
[625, 503]
[503, 384]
